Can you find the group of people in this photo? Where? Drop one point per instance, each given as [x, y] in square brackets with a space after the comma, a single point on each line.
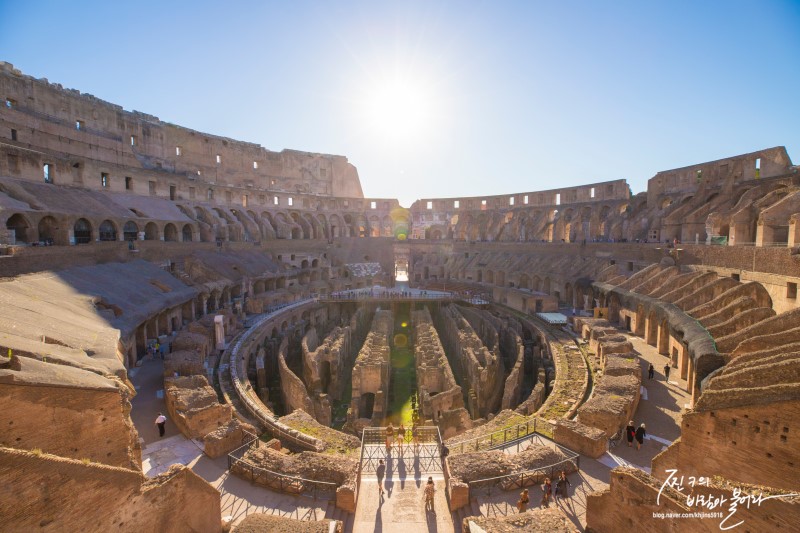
[561, 489]
[651, 371]
[632, 432]
[401, 437]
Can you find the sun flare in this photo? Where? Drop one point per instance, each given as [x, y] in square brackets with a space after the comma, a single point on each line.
[398, 109]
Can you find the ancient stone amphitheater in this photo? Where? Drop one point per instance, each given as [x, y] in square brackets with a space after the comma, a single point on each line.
[281, 321]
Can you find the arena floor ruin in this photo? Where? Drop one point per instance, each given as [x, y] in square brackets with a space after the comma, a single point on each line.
[281, 321]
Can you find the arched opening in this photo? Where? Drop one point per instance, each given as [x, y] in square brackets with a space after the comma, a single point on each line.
[151, 232]
[170, 232]
[20, 226]
[107, 231]
[130, 231]
[47, 230]
[186, 233]
[82, 230]
[325, 375]
[367, 405]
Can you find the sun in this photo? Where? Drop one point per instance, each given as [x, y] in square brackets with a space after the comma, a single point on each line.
[399, 109]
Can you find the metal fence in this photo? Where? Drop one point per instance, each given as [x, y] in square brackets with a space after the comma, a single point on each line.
[495, 439]
[517, 480]
[423, 454]
[275, 480]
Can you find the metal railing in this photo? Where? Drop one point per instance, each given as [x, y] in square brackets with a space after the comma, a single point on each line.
[423, 454]
[246, 394]
[495, 439]
[516, 480]
[275, 480]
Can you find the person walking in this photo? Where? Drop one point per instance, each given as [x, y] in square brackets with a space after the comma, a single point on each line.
[561, 485]
[651, 371]
[430, 490]
[640, 435]
[401, 437]
[547, 490]
[380, 472]
[161, 422]
[666, 372]
[630, 432]
[522, 503]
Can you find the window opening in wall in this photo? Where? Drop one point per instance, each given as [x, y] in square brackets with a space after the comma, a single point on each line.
[591, 193]
[429, 205]
[191, 193]
[483, 204]
[275, 200]
[290, 201]
[210, 194]
[104, 179]
[558, 198]
[272, 183]
[172, 190]
[262, 199]
[244, 200]
[758, 167]
[791, 290]
[47, 168]
[128, 183]
[177, 150]
[511, 201]
[79, 125]
[255, 165]
[228, 197]
[10, 103]
[525, 199]
[346, 203]
[373, 205]
[133, 140]
[699, 176]
[630, 266]
[219, 159]
[13, 134]
[152, 187]
[735, 277]
[456, 204]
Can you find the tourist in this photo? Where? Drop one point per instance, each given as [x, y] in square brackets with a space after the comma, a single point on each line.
[388, 445]
[666, 372]
[651, 371]
[401, 434]
[380, 472]
[630, 432]
[522, 503]
[547, 490]
[640, 435]
[161, 421]
[415, 436]
[430, 490]
[561, 485]
[390, 431]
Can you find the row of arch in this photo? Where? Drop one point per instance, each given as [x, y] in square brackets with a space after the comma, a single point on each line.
[82, 230]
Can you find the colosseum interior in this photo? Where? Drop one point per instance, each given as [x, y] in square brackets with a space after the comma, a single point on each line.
[281, 321]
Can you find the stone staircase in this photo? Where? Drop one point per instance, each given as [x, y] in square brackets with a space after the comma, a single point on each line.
[473, 509]
[334, 513]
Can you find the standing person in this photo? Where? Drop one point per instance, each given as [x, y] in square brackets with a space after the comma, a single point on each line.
[401, 435]
[522, 503]
[651, 371]
[430, 490]
[630, 432]
[380, 472]
[415, 437]
[640, 435]
[561, 485]
[666, 372]
[161, 421]
[547, 490]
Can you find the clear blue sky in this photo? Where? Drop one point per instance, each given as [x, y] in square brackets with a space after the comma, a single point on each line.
[437, 99]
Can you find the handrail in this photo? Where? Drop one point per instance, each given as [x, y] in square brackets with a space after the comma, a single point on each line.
[529, 429]
[280, 481]
[245, 394]
[535, 473]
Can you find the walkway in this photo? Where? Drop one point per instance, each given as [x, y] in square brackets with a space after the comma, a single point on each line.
[402, 508]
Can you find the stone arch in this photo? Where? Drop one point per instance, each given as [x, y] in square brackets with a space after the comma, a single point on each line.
[489, 277]
[569, 294]
[21, 226]
[336, 226]
[151, 231]
[374, 226]
[130, 231]
[388, 226]
[82, 231]
[48, 229]
[536, 283]
[524, 281]
[107, 231]
[187, 233]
